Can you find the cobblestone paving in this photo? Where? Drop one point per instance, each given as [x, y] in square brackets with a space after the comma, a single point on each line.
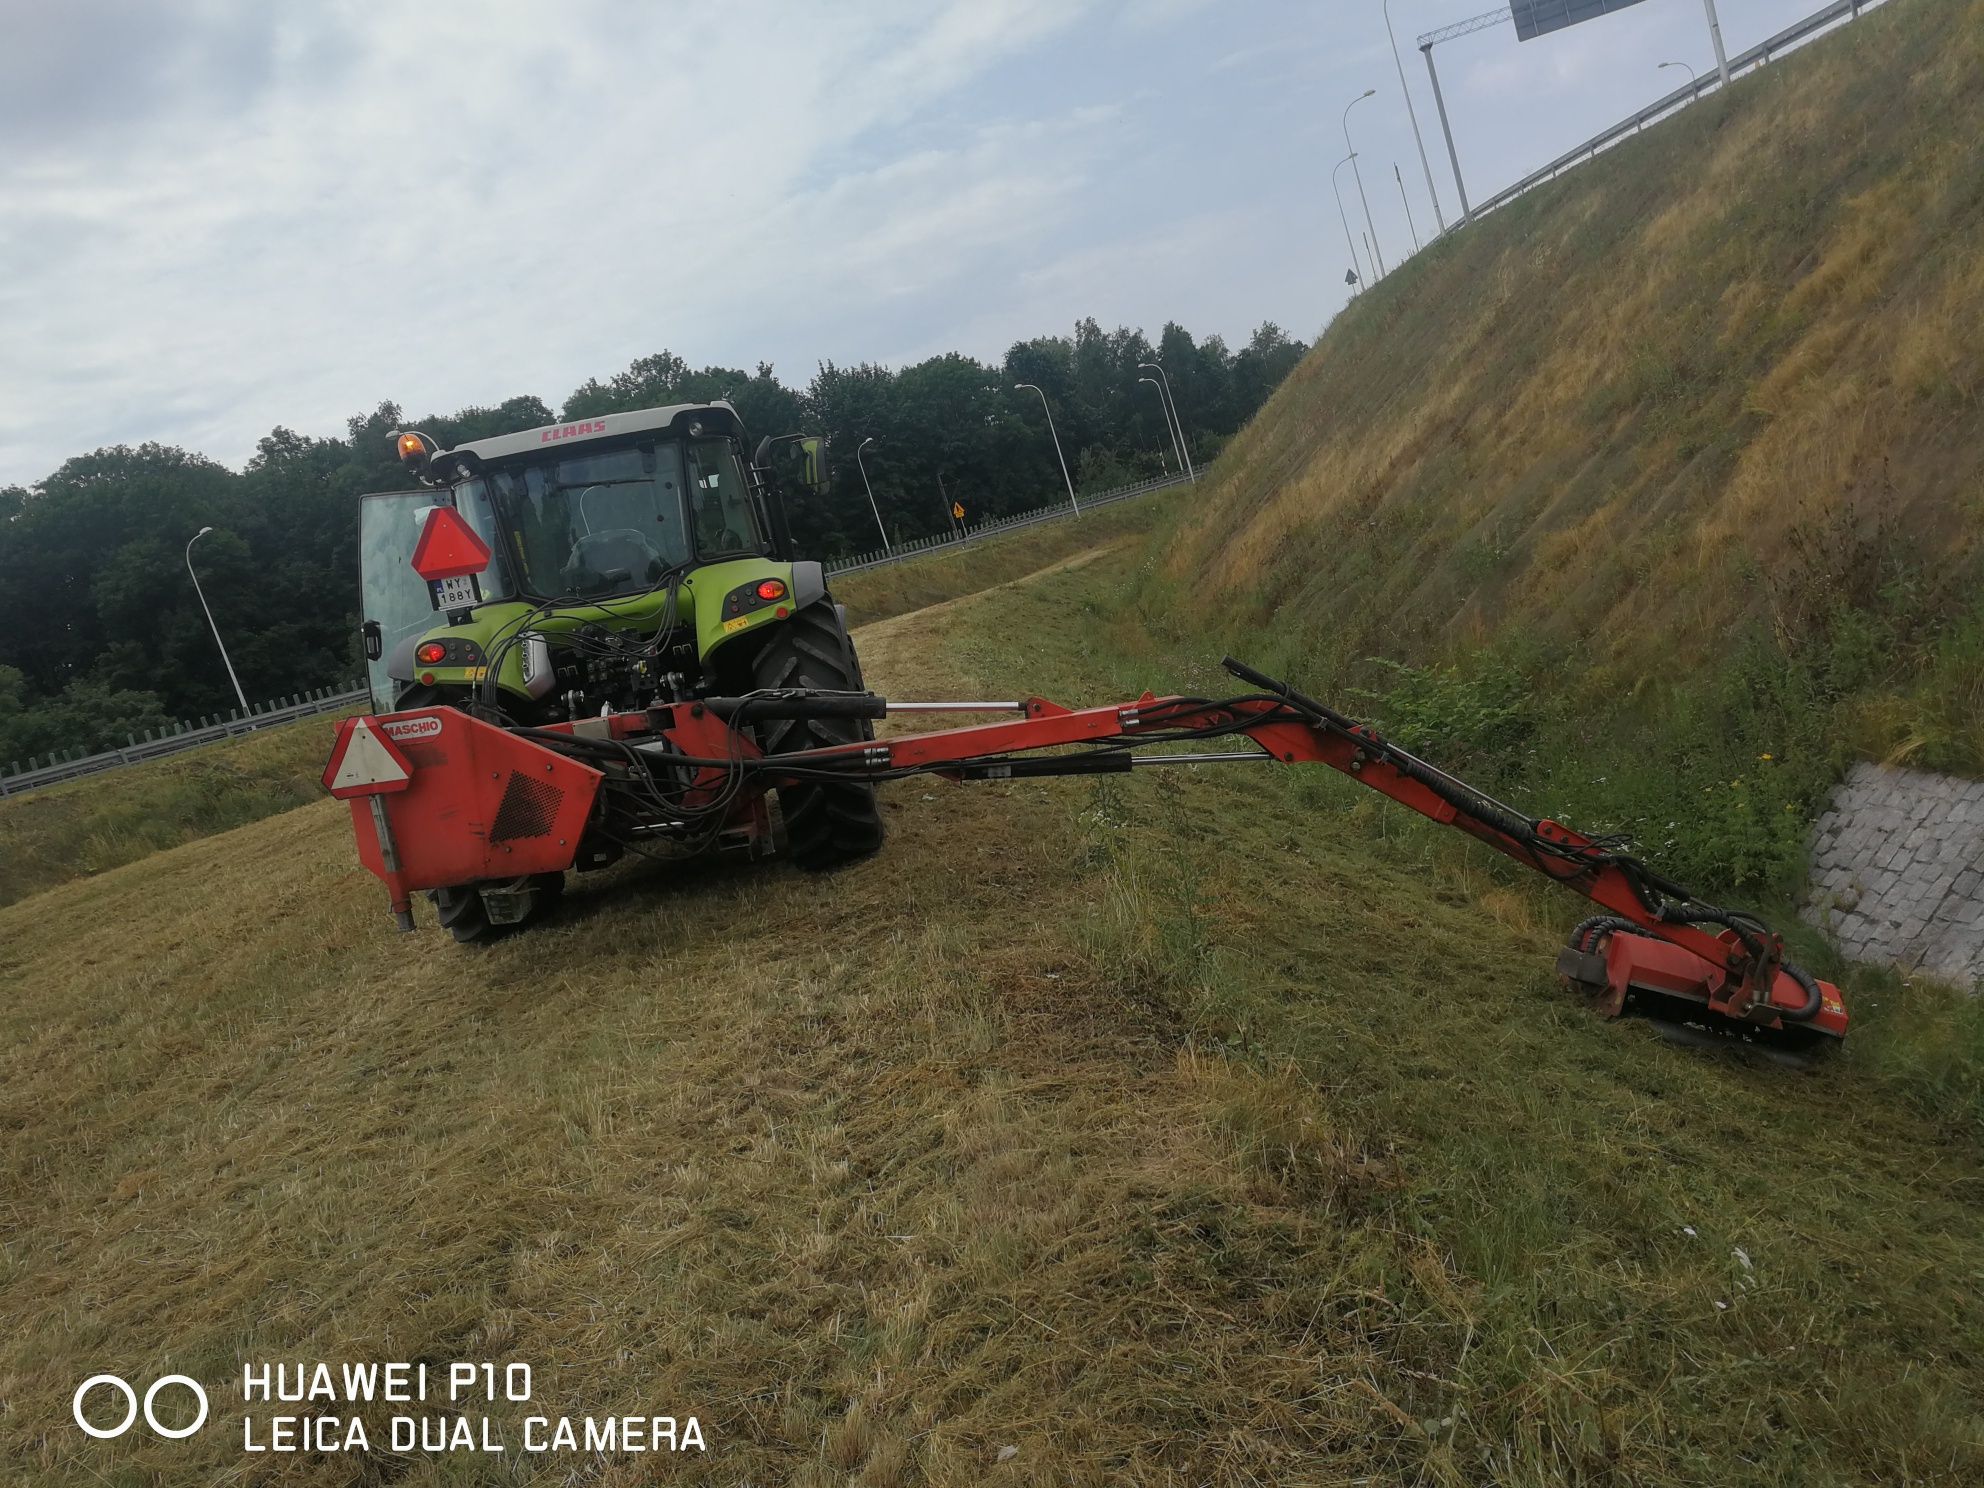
[1898, 871]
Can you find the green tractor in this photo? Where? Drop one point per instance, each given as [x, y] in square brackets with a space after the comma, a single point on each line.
[615, 563]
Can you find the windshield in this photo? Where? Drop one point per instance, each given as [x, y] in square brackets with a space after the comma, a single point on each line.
[617, 521]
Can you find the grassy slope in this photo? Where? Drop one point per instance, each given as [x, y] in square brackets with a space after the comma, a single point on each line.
[1193, 1128]
[1720, 384]
[74, 831]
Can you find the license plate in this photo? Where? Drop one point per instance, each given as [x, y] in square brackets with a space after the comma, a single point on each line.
[455, 594]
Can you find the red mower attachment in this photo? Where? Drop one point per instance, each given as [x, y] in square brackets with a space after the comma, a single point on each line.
[485, 808]
[476, 804]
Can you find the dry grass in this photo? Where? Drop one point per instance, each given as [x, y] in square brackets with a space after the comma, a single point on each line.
[957, 1199]
[1591, 417]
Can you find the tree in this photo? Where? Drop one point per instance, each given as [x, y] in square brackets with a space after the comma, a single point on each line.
[101, 632]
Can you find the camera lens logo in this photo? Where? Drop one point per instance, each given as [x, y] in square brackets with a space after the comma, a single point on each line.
[104, 1433]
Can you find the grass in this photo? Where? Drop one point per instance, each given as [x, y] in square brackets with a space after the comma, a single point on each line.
[65, 832]
[1717, 388]
[1189, 1127]
[1183, 1128]
[881, 593]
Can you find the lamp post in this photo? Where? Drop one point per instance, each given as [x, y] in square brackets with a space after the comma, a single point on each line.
[240, 696]
[1164, 411]
[1413, 115]
[1446, 129]
[1715, 35]
[1406, 202]
[1348, 241]
[1693, 81]
[1377, 252]
[1076, 505]
[861, 450]
[1177, 424]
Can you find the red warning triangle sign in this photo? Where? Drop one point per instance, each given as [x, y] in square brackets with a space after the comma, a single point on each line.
[448, 547]
[364, 762]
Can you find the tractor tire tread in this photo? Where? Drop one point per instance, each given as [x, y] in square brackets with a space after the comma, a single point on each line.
[826, 824]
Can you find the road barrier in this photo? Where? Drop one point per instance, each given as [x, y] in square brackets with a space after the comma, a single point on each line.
[156, 744]
[180, 736]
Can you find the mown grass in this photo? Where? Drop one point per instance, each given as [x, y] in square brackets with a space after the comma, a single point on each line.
[1202, 1127]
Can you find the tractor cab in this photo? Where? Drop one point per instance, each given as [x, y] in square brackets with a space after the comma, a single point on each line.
[597, 562]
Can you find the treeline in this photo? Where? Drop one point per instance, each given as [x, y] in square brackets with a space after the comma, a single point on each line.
[102, 635]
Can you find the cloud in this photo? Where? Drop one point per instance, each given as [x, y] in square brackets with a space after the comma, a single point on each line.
[481, 207]
[78, 71]
[220, 215]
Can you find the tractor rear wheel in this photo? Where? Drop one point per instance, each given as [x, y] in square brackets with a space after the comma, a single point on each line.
[826, 823]
[463, 914]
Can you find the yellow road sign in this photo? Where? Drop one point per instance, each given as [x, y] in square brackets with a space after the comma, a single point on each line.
[957, 510]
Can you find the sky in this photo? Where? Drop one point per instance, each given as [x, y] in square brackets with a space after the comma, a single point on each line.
[220, 216]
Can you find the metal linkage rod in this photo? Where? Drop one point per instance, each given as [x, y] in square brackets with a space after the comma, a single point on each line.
[1012, 707]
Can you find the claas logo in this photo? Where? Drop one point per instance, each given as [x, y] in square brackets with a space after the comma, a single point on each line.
[572, 431]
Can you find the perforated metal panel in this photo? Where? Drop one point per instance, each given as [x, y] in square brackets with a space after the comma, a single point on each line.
[529, 809]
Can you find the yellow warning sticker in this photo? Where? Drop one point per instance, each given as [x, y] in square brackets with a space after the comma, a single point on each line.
[734, 625]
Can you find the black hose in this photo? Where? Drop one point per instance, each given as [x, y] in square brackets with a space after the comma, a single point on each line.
[1587, 931]
[1814, 998]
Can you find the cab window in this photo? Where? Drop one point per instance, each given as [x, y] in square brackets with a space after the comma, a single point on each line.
[719, 503]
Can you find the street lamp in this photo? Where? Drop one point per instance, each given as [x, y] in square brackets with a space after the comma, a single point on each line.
[860, 450]
[1411, 114]
[1164, 410]
[1377, 252]
[1177, 424]
[1692, 80]
[239, 695]
[1357, 264]
[1020, 386]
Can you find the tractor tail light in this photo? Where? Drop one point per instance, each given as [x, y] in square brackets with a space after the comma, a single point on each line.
[771, 589]
[430, 653]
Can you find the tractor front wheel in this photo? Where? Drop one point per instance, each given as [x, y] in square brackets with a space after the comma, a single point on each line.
[826, 823]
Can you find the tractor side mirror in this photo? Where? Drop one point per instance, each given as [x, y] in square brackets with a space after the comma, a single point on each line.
[813, 464]
[795, 460]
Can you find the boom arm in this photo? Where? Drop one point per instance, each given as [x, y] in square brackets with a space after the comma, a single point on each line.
[1747, 976]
